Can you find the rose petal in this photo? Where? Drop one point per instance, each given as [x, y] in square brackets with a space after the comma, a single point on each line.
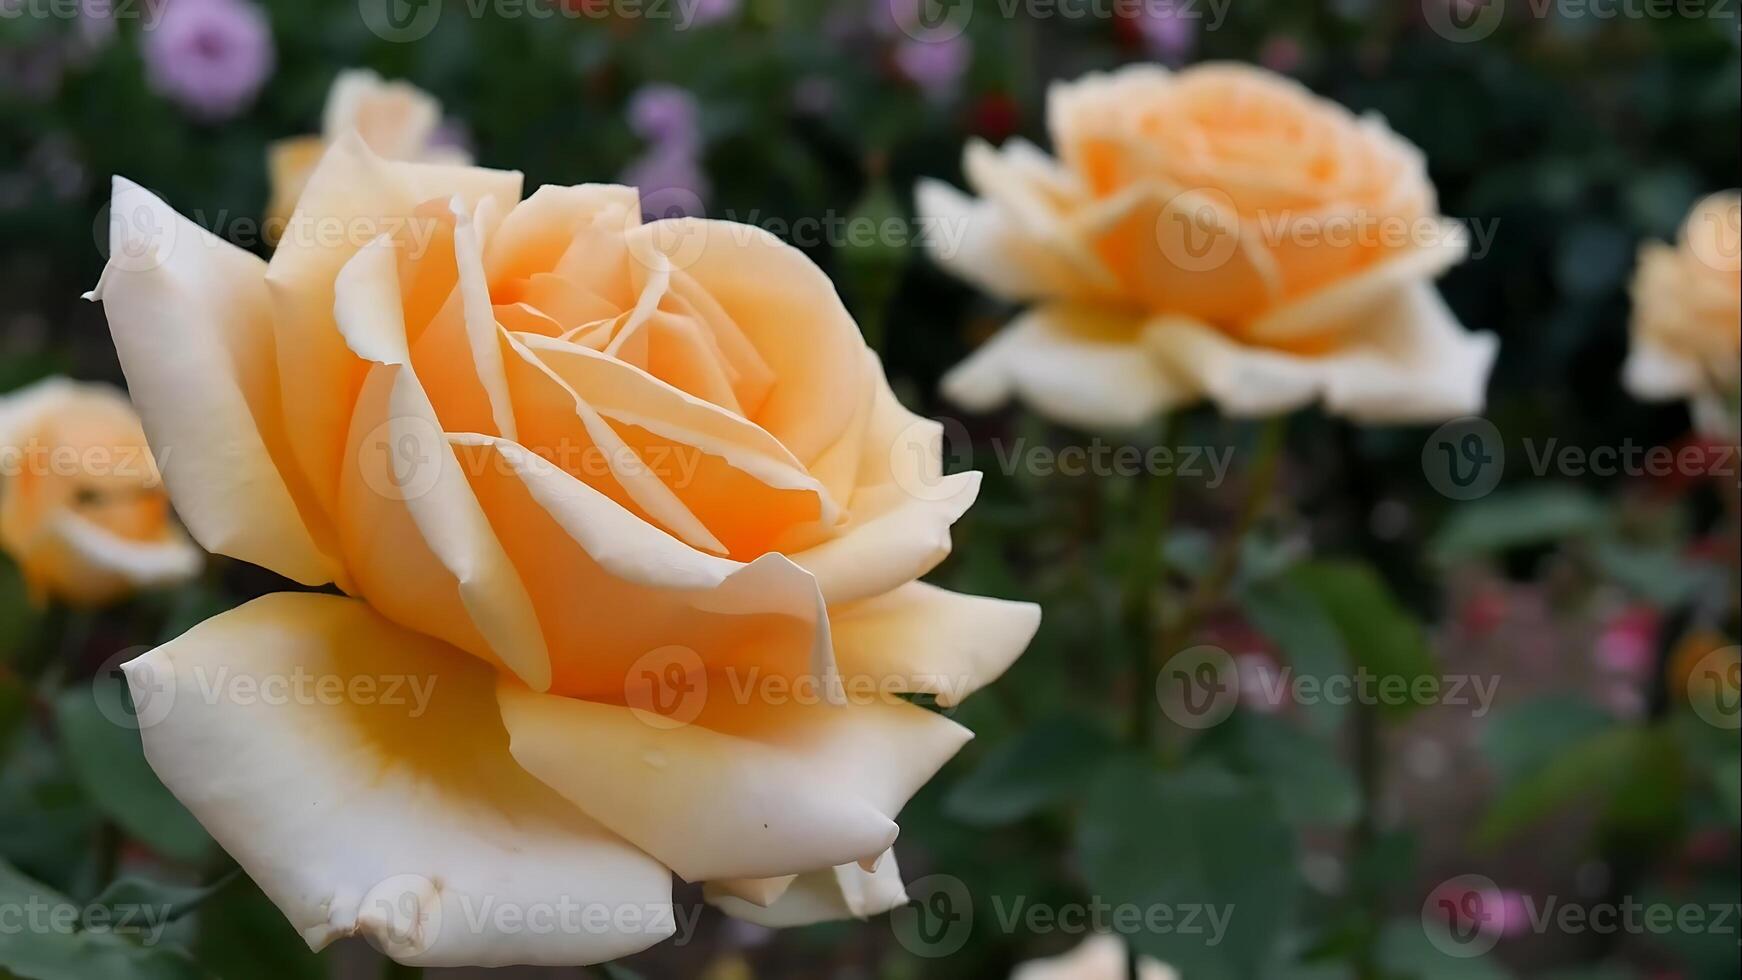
[847, 891]
[211, 408]
[786, 788]
[296, 728]
[1075, 364]
[928, 640]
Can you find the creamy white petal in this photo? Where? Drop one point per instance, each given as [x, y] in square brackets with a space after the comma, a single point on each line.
[931, 640]
[192, 323]
[360, 774]
[847, 891]
[785, 787]
[1072, 364]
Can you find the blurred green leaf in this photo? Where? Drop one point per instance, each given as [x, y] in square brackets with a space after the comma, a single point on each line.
[1631, 773]
[1408, 952]
[1531, 515]
[1193, 842]
[242, 936]
[53, 942]
[109, 764]
[1520, 739]
[1302, 770]
[1381, 637]
[1293, 619]
[1048, 762]
[1661, 575]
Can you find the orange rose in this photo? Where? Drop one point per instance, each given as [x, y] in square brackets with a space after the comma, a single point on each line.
[1687, 317]
[634, 502]
[82, 508]
[1218, 233]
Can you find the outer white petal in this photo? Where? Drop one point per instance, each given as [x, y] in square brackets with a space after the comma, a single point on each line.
[931, 640]
[751, 788]
[1410, 362]
[844, 892]
[376, 795]
[192, 323]
[1073, 365]
[142, 564]
[1654, 372]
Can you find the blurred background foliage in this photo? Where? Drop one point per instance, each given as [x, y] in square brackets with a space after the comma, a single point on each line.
[1568, 136]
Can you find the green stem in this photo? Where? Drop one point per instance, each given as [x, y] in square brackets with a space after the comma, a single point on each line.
[1210, 590]
[1155, 509]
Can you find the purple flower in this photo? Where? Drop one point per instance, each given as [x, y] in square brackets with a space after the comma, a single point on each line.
[936, 67]
[210, 56]
[1169, 33]
[666, 116]
[671, 182]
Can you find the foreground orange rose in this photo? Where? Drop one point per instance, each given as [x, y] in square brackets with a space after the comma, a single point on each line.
[1218, 233]
[397, 119]
[632, 504]
[82, 508]
[1687, 317]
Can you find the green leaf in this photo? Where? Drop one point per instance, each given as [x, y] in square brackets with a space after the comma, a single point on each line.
[1197, 843]
[242, 934]
[105, 756]
[1633, 773]
[1292, 618]
[1408, 952]
[1507, 519]
[1303, 772]
[52, 938]
[1662, 575]
[1050, 761]
[1519, 740]
[1382, 638]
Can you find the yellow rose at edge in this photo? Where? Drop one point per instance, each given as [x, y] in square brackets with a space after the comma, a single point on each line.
[1687, 317]
[1218, 233]
[632, 505]
[82, 509]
